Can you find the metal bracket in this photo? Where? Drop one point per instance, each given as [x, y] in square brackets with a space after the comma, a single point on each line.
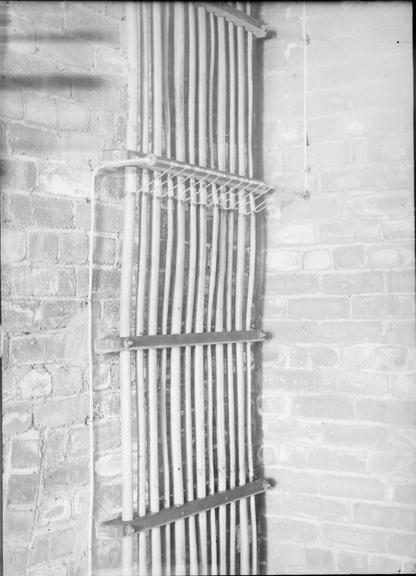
[237, 17]
[144, 523]
[117, 343]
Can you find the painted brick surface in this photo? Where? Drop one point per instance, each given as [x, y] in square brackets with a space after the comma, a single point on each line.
[53, 131]
[339, 375]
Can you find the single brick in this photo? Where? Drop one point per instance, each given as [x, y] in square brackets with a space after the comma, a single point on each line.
[349, 257]
[391, 517]
[12, 105]
[58, 313]
[356, 434]
[352, 230]
[402, 544]
[108, 218]
[28, 282]
[54, 510]
[351, 487]
[107, 436]
[25, 452]
[382, 257]
[106, 283]
[42, 212]
[291, 284]
[318, 308]
[73, 248]
[321, 458]
[320, 560]
[35, 383]
[72, 473]
[390, 357]
[323, 356]
[272, 404]
[293, 234]
[350, 332]
[62, 413]
[78, 444]
[316, 259]
[282, 260]
[18, 525]
[36, 349]
[16, 560]
[401, 281]
[405, 492]
[108, 465]
[352, 562]
[43, 247]
[16, 418]
[55, 446]
[351, 536]
[72, 116]
[350, 462]
[332, 407]
[39, 550]
[34, 141]
[13, 246]
[67, 381]
[41, 109]
[294, 380]
[104, 250]
[293, 530]
[18, 174]
[400, 229]
[62, 543]
[383, 564]
[352, 283]
[400, 412]
[380, 306]
[21, 489]
[20, 316]
[296, 481]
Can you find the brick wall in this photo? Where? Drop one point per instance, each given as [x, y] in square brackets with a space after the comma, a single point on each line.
[338, 404]
[55, 120]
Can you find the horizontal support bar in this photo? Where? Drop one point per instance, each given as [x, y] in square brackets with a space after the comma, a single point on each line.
[143, 523]
[237, 17]
[117, 344]
[126, 158]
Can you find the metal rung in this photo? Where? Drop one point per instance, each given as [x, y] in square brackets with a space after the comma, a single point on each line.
[237, 17]
[117, 344]
[125, 158]
[143, 523]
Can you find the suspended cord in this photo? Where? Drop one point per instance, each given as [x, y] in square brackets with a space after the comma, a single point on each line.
[90, 378]
[306, 193]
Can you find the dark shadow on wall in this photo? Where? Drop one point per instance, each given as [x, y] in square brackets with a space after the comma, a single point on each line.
[261, 240]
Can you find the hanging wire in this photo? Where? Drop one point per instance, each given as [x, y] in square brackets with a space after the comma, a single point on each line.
[305, 37]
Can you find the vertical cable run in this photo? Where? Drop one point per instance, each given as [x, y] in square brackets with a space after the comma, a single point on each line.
[193, 557]
[153, 414]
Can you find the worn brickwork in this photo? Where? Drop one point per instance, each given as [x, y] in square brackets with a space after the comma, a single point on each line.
[338, 403]
[67, 105]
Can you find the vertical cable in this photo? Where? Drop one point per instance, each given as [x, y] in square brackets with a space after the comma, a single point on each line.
[175, 387]
[230, 355]
[211, 289]
[166, 289]
[125, 293]
[193, 564]
[306, 192]
[200, 445]
[239, 300]
[219, 320]
[153, 416]
[250, 294]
